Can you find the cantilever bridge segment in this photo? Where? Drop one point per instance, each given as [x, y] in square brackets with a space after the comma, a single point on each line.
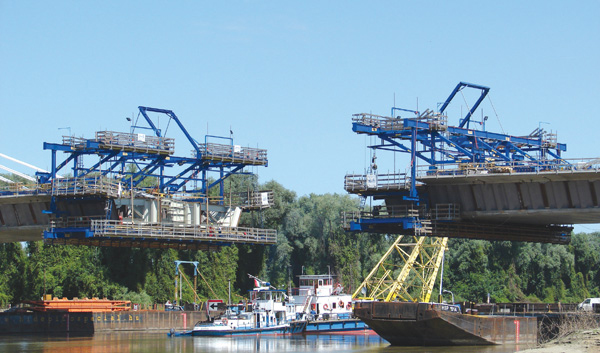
[471, 183]
[137, 192]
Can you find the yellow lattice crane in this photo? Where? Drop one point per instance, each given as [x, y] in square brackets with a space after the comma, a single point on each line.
[407, 271]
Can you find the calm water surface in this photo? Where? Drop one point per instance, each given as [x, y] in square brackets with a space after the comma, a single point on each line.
[134, 342]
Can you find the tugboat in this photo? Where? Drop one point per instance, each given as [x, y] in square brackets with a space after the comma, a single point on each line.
[326, 307]
[270, 312]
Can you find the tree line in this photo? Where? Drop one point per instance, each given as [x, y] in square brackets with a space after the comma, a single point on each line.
[310, 240]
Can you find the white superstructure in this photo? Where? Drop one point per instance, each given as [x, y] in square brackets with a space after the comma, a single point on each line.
[321, 297]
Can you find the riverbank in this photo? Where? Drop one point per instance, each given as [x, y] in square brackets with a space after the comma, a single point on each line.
[583, 341]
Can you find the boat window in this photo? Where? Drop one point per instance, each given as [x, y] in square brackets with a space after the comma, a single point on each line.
[320, 282]
[333, 305]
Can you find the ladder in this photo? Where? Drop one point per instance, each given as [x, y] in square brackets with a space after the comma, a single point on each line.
[306, 302]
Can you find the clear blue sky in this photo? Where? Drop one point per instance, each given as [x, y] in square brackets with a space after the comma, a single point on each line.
[287, 76]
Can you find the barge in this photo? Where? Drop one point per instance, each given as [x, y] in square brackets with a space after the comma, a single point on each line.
[433, 324]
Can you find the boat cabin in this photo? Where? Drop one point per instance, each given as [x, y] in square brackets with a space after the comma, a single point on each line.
[321, 297]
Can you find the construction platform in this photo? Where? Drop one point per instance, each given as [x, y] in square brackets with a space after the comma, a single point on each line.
[468, 182]
[139, 192]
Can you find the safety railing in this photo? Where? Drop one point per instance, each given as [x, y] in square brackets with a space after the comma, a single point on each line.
[77, 142]
[20, 189]
[137, 142]
[233, 153]
[378, 122]
[383, 211]
[511, 167]
[376, 182]
[446, 212]
[435, 121]
[73, 222]
[86, 186]
[213, 233]
[67, 187]
[250, 199]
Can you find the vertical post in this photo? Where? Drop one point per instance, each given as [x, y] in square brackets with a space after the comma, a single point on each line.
[161, 179]
[229, 300]
[204, 190]
[413, 163]
[131, 191]
[75, 170]
[195, 286]
[53, 172]
[222, 187]
[176, 277]
[442, 278]
[206, 210]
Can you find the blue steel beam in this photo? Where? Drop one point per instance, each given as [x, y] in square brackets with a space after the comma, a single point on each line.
[458, 88]
[151, 161]
[172, 115]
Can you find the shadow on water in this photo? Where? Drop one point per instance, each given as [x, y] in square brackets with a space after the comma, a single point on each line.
[134, 342]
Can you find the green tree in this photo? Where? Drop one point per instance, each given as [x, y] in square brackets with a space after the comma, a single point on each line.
[12, 268]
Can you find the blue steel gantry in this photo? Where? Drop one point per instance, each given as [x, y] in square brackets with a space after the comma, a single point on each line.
[137, 192]
[472, 183]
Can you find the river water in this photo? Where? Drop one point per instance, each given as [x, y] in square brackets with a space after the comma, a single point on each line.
[134, 342]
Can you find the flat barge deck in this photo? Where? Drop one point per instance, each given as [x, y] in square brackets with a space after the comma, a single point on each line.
[432, 324]
[53, 322]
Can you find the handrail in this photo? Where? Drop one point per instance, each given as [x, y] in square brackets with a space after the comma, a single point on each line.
[136, 141]
[234, 152]
[513, 167]
[90, 185]
[174, 230]
[363, 182]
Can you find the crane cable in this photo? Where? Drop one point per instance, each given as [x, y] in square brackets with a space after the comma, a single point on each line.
[208, 285]
[190, 285]
[497, 117]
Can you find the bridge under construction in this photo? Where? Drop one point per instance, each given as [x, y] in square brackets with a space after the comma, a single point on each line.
[137, 192]
[462, 182]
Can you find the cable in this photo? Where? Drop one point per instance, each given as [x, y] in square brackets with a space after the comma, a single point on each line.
[497, 117]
